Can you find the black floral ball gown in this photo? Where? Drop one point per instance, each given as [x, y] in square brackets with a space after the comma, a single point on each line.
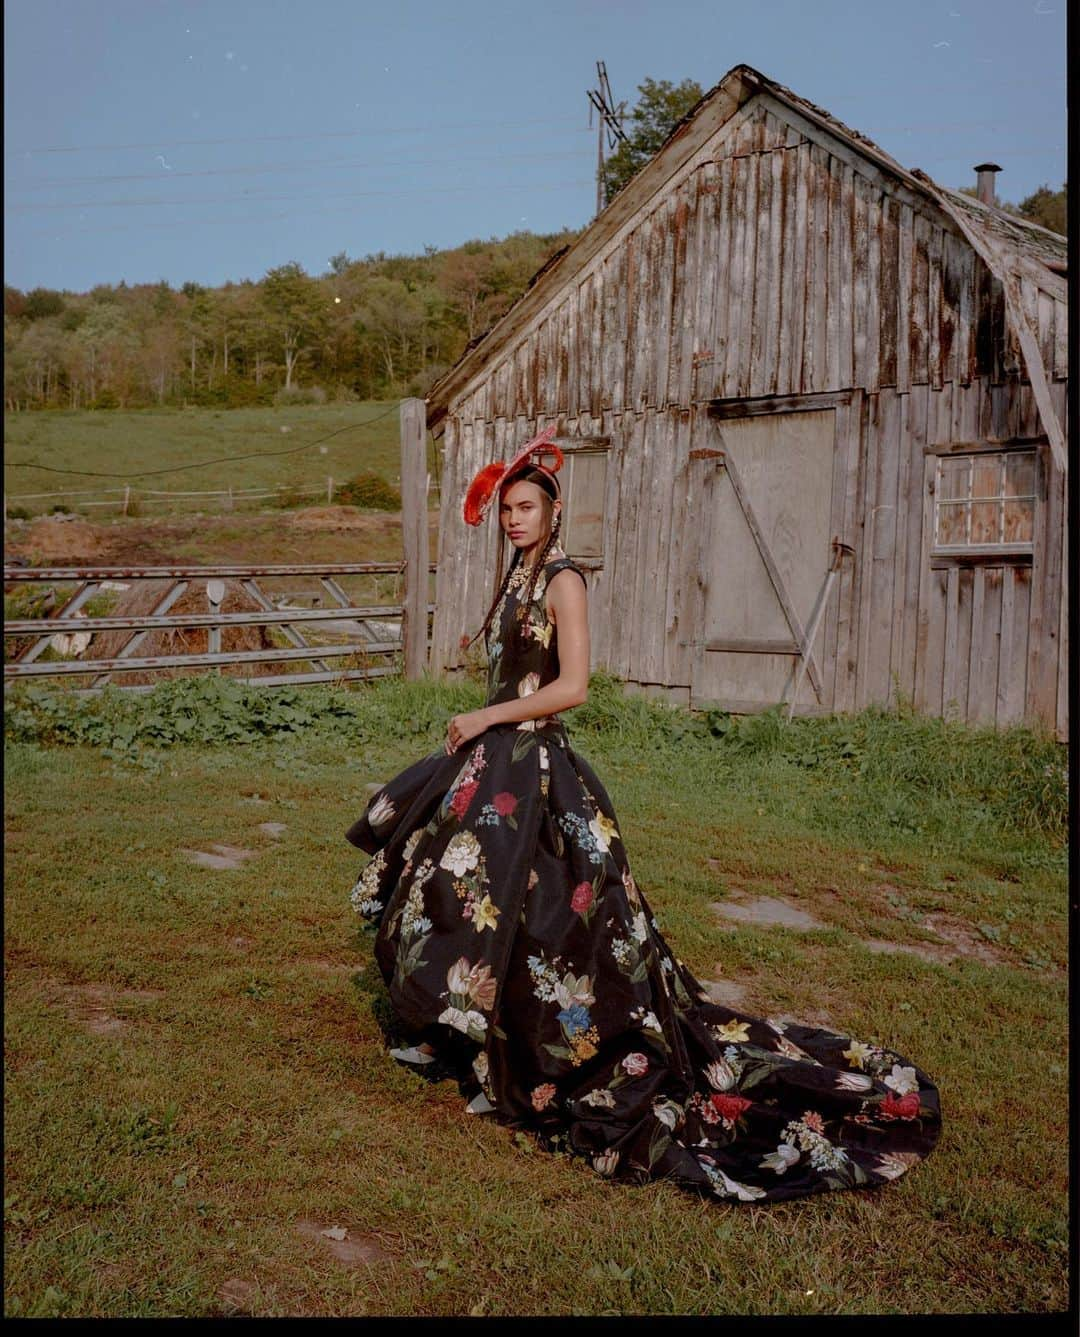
[512, 937]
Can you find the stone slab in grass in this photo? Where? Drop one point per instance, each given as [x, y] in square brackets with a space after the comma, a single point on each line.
[925, 951]
[219, 856]
[768, 911]
[351, 1250]
[724, 992]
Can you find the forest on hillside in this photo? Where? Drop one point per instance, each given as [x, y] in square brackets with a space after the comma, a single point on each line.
[375, 328]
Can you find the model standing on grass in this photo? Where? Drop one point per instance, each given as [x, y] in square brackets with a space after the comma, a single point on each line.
[519, 952]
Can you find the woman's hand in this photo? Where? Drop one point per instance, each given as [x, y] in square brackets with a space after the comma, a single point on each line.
[463, 727]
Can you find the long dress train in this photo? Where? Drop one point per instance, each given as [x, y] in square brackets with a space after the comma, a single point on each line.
[512, 936]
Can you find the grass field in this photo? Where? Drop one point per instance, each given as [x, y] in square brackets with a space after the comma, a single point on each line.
[197, 1083]
[151, 439]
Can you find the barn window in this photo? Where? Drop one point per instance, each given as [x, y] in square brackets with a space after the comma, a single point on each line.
[584, 485]
[984, 501]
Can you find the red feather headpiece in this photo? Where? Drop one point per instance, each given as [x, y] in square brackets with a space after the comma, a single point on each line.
[494, 476]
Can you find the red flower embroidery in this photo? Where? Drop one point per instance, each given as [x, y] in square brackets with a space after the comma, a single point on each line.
[542, 1096]
[504, 804]
[582, 897]
[463, 797]
[729, 1107]
[907, 1107]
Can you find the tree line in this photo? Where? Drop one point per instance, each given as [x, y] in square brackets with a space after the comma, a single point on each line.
[375, 328]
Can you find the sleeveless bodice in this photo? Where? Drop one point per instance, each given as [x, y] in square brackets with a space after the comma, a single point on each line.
[518, 664]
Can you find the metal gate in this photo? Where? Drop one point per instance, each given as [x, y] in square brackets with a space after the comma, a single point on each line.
[362, 636]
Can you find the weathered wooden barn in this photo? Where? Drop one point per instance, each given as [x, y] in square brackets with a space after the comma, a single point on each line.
[813, 406]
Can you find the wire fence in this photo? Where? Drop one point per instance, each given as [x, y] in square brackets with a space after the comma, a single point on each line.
[134, 500]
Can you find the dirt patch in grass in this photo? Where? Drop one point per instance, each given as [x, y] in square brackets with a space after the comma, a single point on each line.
[325, 967]
[964, 939]
[204, 540]
[94, 1006]
[237, 1295]
[219, 856]
[925, 951]
[351, 1251]
[60, 540]
[336, 517]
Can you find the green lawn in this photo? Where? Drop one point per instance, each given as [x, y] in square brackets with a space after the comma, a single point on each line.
[196, 1073]
[149, 439]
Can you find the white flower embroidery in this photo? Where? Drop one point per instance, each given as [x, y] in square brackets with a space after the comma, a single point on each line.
[381, 810]
[720, 1075]
[605, 1164]
[891, 1165]
[463, 1021]
[569, 991]
[731, 1187]
[457, 977]
[902, 1080]
[601, 1097]
[461, 855]
[853, 1081]
[667, 1112]
[780, 1160]
[367, 885]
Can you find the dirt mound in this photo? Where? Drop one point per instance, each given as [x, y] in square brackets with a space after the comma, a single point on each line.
[145, 594]
[73, 541]
[335, 517]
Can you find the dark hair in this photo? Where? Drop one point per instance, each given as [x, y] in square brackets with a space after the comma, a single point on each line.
[548, 484]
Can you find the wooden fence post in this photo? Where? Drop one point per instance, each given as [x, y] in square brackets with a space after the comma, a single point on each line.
[414, 532]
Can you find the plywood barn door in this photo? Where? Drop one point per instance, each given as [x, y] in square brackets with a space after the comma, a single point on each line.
[745, 650]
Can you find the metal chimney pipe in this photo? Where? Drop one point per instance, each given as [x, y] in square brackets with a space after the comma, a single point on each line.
[984, 181]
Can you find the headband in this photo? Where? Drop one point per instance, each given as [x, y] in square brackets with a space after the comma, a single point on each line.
[496, 475]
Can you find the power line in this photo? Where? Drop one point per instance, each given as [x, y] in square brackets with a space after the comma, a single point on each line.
[532, 187]
[244, 197]
[272, 168]
[276, 139]
[201, 464]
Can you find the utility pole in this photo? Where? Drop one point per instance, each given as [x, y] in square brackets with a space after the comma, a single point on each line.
[609, 118]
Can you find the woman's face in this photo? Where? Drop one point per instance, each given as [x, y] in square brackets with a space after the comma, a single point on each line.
[523, 510]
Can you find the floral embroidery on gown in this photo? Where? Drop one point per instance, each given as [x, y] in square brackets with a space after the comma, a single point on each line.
[512, 936]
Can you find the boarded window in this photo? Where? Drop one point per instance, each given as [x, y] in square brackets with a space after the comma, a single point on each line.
[985, 501]
[584, 486]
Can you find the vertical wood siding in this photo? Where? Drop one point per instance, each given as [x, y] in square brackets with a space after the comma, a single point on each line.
[778, 263]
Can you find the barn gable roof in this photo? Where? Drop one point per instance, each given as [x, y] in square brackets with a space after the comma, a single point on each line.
[1010, 246]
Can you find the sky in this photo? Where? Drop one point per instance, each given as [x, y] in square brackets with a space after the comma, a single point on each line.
[211, 140]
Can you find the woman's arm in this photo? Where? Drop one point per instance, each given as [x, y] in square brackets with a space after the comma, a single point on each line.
[568, 607]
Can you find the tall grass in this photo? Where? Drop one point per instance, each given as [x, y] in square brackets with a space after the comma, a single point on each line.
[894, 771]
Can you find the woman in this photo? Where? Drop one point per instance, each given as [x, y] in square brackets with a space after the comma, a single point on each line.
[518, 949]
